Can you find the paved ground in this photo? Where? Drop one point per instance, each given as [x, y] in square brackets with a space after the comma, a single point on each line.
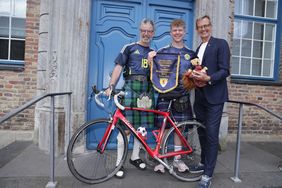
[23, 165]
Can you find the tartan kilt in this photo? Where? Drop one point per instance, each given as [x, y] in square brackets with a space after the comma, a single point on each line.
[162, 105]
[134, 89]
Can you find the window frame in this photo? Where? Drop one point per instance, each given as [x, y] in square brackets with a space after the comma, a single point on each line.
[276, 64]
[8, 64]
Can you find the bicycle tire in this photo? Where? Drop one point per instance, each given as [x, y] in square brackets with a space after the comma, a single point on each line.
[85, 162]
[189, 131]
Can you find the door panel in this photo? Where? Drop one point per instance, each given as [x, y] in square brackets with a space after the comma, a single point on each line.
[163, 12]
[116, 23]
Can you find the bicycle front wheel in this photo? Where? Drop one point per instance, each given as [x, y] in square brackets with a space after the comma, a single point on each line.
[189, 131]
[87, 162]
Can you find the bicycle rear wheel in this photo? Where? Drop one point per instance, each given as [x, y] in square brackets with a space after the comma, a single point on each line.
[88, 164]
[189, 131]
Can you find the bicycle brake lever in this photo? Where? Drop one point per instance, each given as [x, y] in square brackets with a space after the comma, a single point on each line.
[109, 98]
[90, 96]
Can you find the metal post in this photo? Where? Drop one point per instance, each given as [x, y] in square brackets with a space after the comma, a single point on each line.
[236, 179]
[68, 127]
[52, 183]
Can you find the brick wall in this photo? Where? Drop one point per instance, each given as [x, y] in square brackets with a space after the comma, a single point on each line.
[18, 87]
[280, 60]
[255, 120]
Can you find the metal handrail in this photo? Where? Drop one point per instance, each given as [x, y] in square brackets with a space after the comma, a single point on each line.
[14, 112]
[30, 103]
[259, 106]
[236, 178]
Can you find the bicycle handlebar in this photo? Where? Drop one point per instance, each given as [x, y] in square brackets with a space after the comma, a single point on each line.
[121, 93]
[97, 99]
[97, 95]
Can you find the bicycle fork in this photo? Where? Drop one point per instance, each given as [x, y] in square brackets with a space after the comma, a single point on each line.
[103, 143]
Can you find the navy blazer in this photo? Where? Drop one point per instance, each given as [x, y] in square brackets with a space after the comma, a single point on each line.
[217, 59]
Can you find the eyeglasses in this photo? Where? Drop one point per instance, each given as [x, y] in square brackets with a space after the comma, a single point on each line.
[204, 26]
[146, 31]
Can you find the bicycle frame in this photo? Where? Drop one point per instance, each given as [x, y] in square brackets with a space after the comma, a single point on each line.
[154, 153]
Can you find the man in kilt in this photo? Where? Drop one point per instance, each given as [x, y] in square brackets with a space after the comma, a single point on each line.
[183, 112]
[132, 61]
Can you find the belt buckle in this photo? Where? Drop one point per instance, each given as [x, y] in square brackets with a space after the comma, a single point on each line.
[140, 78]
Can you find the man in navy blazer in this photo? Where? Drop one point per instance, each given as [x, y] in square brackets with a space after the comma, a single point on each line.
[214, 53]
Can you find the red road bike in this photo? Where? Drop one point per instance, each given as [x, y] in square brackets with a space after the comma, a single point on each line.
[92, 150]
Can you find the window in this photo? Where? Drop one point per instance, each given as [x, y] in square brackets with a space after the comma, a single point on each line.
[256, 40]
[12, 32]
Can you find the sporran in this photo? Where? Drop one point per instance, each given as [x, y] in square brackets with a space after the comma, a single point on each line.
[144, 101]
[181, 104]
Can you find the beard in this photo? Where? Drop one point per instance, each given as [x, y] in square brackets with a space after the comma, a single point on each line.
[146, 40]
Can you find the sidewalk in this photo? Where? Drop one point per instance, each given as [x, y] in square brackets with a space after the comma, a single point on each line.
[23, 165]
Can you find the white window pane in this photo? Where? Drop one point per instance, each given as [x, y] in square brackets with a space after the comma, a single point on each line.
[235, 65]
[4, 26]
[254, 39]
[247, 7]
[237, 29]
[245, 66]
[238, 7]
[258, 31]
[256, 67]
[269, 32]
[236, 47]
[20, 8]
[247, 29]
[257, 49]
[268, 50]
[5, 7]
[266, 67]
[246, 48]
[18, 28]
[271, 10]
[259, 8]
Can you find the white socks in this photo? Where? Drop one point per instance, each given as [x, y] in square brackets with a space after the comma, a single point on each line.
[177, 148]
[136, 149]
[120, 147]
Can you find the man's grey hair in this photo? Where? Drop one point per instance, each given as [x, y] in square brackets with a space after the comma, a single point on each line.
[146, 21]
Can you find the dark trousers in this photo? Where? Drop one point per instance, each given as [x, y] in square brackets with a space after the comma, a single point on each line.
[210, 116]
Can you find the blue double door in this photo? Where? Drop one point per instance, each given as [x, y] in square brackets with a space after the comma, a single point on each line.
[115, 23]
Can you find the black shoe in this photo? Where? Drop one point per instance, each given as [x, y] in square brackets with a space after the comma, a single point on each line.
[199, 168]
[138, 163]
[121, 173]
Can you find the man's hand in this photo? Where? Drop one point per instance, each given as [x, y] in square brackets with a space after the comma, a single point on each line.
[200, 76]
[150, 57]
[108, 91]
